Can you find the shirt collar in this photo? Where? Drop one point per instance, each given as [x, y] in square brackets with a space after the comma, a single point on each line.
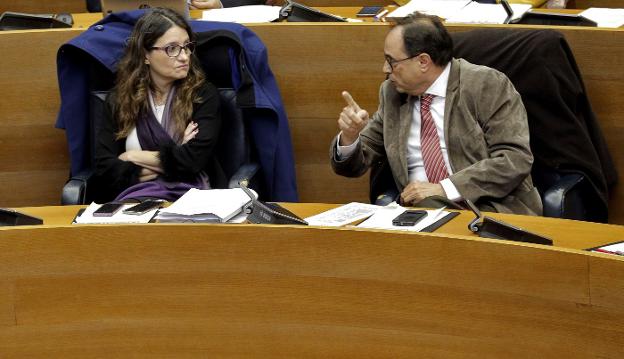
[438, 87]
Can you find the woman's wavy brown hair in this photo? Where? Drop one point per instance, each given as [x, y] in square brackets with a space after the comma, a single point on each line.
[133, 79]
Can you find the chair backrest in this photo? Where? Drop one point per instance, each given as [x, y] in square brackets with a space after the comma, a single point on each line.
[234, 146]
[565, 135]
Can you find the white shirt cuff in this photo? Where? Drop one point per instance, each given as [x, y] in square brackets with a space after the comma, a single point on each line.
[345, 151]
[450, 190]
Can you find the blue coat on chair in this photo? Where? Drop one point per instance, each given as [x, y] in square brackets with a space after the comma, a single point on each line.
[103, 44]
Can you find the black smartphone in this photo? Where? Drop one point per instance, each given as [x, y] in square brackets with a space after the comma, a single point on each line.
[108, 209]
[409, 218]
[369, 11]
[143, 207]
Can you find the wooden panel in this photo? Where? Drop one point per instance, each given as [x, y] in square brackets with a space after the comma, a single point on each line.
[606, 286]
[298, 292]
[7, 300]
[311, 76]
[313, 63]
[43, 7]
[34, 162]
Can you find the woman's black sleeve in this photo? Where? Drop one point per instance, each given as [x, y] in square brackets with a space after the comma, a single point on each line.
[183, 162]
[110, 170]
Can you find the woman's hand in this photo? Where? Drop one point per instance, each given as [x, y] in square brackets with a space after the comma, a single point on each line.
[205, 4]
[190, 132]
[147, 175]
[127, 156]
[145, 159]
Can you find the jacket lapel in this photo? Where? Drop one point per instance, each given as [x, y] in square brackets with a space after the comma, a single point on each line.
[405, 122]
[451, 94]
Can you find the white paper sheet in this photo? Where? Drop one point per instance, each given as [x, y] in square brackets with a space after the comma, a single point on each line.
[477, 13]
[441, 8]
[342, 215]
[615, 248]
[605, 17]
[243, 14]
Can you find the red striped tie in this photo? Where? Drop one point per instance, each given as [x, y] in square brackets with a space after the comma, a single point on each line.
[435, 168]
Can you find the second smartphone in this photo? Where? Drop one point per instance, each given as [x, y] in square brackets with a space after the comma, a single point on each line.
[409, 218]
[143, 207]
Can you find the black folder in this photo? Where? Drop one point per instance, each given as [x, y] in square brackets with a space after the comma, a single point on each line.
[295, 12]
[21, 21]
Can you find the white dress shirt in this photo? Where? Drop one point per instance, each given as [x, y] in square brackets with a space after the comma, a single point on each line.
[415, 164]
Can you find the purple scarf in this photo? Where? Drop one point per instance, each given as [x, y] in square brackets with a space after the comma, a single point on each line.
[151, 136]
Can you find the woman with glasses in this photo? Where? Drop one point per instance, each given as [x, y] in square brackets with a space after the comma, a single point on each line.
[162, 118]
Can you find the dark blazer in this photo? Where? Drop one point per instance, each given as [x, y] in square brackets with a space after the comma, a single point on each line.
[486, 133]
[565, 134]
[180, 163]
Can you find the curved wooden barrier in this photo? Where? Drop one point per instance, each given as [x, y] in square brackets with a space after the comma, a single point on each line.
[271, 291]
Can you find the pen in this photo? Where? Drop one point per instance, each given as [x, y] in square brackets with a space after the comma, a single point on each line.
[381, 14]
[609, 252]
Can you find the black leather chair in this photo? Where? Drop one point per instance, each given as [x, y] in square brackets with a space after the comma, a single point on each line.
[572, 170]
[233, 153]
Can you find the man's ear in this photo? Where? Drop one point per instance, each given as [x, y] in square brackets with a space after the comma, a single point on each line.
[425, 61]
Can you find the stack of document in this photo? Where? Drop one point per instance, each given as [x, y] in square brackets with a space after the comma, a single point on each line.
[440, 8]
[212, 205]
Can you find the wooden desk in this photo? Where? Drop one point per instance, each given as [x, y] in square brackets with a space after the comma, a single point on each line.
[269, 291]
[568, 234]
[312, 62]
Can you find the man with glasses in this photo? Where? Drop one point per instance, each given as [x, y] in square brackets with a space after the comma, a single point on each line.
[449, 129]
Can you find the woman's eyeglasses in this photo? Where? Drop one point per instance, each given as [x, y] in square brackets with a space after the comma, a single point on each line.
[174, 50]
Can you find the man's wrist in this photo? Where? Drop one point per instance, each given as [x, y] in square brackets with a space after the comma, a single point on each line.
[343, 152]
[344, 140]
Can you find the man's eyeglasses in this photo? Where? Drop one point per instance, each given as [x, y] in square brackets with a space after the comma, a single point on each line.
[174, 50]
[392, 62]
